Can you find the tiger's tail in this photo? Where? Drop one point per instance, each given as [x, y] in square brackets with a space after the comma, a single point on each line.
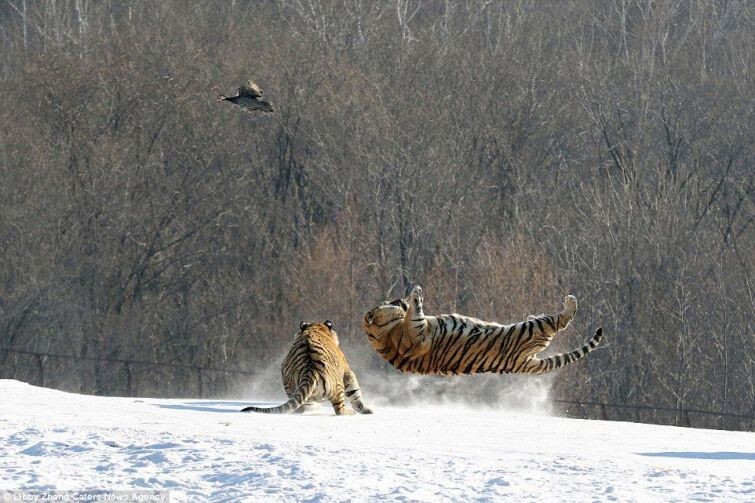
[303, 392]
[538, 366]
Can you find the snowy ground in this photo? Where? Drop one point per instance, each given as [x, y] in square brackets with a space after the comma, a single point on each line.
[205, 450]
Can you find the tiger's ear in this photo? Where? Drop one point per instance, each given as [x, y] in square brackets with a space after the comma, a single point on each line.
[329, 324]
[303, 326]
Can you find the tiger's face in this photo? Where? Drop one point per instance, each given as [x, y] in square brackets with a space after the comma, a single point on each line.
[382, 319]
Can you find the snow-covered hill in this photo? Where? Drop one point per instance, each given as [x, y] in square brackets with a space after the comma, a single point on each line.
[205, 450]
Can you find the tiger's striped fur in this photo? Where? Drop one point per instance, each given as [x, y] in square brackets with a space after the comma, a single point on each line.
[451, 344]
[314, 370]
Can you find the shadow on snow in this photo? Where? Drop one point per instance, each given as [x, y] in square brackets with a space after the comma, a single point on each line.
[234, 406]
[747, 456]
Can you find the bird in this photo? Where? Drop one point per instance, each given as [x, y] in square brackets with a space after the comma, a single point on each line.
[250, 99]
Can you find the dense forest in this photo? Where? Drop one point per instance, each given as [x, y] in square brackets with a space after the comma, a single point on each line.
[500, 154]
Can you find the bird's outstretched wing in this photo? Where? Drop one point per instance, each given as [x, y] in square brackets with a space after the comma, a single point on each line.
[266, 107]
[251, 89]
[258, 105]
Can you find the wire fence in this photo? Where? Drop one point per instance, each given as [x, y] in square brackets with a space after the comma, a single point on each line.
[679, 416]
[128, 366]
[587, 409]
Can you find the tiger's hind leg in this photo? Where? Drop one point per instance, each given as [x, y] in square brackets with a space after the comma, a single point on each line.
[354, 394]
[549, 325]
[338, 399]
[570, 309]
[543, 327]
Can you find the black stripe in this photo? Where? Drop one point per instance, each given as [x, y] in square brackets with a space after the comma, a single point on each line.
[540, 326]
[505, 343]
[482, 358]
[513, 350]
[452, 337]
[551, 324]
[470, 341]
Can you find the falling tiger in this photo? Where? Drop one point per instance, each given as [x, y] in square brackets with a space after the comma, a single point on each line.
[314, 370]
[451, 344]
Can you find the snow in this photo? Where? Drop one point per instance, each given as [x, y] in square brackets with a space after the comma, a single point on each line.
[204, 450]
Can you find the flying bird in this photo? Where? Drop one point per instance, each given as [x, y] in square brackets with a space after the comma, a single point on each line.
[250, 99]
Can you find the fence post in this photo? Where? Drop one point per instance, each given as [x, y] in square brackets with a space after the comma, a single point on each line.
[199, 379]
[128, 378]
[41, 371]
[603, 412]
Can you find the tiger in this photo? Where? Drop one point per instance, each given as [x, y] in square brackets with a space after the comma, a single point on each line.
[451, 344]
[315, 370]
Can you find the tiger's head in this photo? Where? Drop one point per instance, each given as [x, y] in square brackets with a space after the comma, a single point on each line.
[325, 328]
[382, 319]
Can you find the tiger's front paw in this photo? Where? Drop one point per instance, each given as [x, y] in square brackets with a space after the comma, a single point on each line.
[416, 295]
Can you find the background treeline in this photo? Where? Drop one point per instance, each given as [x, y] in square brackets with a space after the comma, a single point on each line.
[502, 154]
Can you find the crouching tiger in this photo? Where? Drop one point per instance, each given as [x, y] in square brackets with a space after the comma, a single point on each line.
[314, 370]
[451, 344]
